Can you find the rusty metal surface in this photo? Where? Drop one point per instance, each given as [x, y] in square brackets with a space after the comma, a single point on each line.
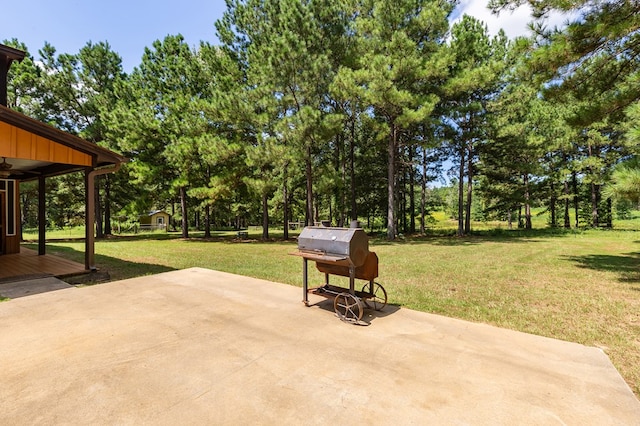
[367, 271]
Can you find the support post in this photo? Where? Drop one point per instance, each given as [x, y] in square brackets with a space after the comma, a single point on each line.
[305, 284]
[352, 280]
[5, 63]
[90, 214]
[42, 217]
[90, 219]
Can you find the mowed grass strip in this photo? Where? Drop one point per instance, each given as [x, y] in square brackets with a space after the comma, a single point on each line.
[579, 286]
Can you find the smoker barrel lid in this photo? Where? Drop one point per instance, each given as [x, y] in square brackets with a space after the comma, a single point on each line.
[350, 245]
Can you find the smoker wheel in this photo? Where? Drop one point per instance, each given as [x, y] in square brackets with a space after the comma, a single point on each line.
[378, 298]
[348, 307]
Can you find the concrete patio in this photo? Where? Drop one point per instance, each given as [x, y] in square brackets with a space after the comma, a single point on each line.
[203, 347]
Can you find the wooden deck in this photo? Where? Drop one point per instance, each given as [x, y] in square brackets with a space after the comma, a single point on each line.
[28, 263]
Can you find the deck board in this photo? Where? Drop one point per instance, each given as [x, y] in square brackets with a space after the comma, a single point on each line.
[29, 263]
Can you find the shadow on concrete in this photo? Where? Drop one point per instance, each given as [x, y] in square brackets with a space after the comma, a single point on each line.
[31, 286]
[368, 315]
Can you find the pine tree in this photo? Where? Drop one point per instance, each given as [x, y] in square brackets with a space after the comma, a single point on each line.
[400, 63]
[476, 71]
[157, 119]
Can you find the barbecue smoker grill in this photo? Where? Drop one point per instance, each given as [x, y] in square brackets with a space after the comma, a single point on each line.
[344, 252]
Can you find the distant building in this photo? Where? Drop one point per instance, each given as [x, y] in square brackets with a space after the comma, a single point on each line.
[156, 219]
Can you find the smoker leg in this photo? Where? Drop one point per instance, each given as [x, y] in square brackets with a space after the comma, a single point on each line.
[305, 284]
[352, 279]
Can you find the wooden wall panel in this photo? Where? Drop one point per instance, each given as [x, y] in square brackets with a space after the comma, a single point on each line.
[78, 157]
[59, 153]
[18, 143]
[24, 148]
[7, 134]
[40, 148]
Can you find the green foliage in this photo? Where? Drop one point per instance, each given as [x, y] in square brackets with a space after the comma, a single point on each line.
[400, 64]
[476, 67]
[625, 183]
[24, 89]
[70, 91]
[347, 109]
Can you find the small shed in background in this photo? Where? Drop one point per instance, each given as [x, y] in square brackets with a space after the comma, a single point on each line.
[156, 219]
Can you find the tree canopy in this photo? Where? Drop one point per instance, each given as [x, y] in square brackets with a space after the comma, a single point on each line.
[311, 110]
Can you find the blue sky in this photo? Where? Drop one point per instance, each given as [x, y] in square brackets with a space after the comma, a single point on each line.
[130, 26]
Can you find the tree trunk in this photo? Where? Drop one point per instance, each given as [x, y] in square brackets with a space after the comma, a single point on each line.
[285, 204]
[24, 202]
[391, 187]
[341, 198]
[265, 217]
[352, 171]
[527, 205]
[183, 207]
[172, 216]
[567, 220]
[107, 205]
[467, 219]
[520, 223]
[574, 178]
[423, 194]
[595, 219]
[412, 195]
[552, 206]
[609, 213]
[461, 194]
[331, 209]
[207, 211]
[99, 223]
[309, 176]
[207, 221]
[402, 198]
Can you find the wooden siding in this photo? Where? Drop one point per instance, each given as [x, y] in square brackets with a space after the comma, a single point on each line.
[18, 143]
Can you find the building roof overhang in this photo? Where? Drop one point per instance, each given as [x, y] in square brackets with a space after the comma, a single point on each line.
[31, 168]
[10, 53]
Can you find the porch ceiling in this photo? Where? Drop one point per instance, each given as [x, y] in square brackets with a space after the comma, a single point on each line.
[24, 169]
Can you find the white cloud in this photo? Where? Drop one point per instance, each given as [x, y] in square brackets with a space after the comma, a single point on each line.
[514, 23]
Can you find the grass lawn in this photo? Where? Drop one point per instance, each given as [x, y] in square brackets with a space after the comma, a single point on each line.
[579, 286]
